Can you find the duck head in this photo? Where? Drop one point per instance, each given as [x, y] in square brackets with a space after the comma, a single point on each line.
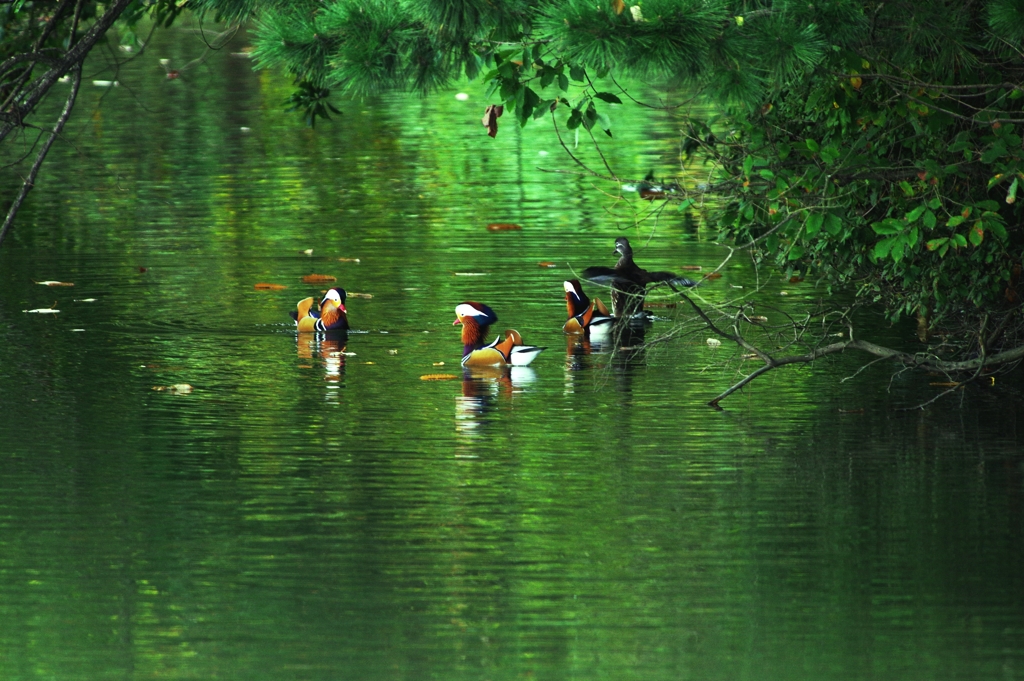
[334, 297]
[623, 248]
[474, 318]
[576, 301]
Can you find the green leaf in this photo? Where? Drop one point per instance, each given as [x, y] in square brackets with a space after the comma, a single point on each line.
[959, 240]
[563, 82]
[907, 189]
[935, 203]
[935, 243]
[929, 219]
[913, 215]
[577, 73]
[812, 145]
[547, 76]
[998, 228]
[977, 233]
[883, 247]
[988, 204]
[814, 223]
[833, 224]
[608, 97]
[748, 165]
[796, 252]
[575, 119]
[955, 221]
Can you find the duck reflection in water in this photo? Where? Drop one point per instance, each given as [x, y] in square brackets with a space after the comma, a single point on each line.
[483, 389]
[329, 347]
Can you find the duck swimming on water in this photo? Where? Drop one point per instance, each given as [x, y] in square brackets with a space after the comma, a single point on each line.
[475, 319]
[586, 316]
[629, 281]
[331, 315]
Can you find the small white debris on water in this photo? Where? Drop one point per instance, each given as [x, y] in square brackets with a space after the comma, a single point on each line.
[245, 129]
[105, 83]
[462, 96]
[77, 330]
[542, 153]
[42, 310]
[165, 62]
[713, 342]
[85, 300]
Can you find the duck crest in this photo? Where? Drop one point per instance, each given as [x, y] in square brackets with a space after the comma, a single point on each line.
[584, 314]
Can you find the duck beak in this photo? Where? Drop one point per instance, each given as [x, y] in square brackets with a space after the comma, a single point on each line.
[456, 322]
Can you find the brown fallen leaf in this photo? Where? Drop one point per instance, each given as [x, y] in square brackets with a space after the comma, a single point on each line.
[546, 263]
[318, 278]
[54, 283]
[262, 286]
[437, 377]
[795, 280]
[502, 227]
[715, 275]
[490, 119]
[692, 268]
[353, 294]
[944, 384]
[348, 259]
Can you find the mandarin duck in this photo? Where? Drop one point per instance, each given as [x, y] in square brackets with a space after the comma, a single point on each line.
[585, 315]
[629, 281]
[475, 319]
[331, 316]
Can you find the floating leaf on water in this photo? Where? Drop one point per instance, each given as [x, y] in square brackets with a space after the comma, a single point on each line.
[649, 304]
[718, 275]
[795, 279]
[470, 274]
[142, 270]
[783, 293]
[308, 251]
[353, 294]
[439, 364]
[305, 366]
[734, 285]
[85, 300]
[176, 389]
[348, 259]
[393, 352]
[369, 362]
[437, 377]
[749, 355]
[263, 286]
[692, 268]
[547, 263]
[54, 283]
[42, 310]
[944, 384]
[757, 318]
[851, 411]
[318, 278]
[503, 227]
[713, 342]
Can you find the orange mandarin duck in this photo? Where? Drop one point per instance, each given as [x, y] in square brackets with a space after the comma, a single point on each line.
[475, 319]
[585, 315]
[331, 315]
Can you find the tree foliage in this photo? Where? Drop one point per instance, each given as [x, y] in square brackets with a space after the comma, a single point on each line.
[867, 144]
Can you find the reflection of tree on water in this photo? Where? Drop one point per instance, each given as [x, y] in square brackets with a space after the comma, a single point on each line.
[621, 349]
[329, 347]
[482, 390]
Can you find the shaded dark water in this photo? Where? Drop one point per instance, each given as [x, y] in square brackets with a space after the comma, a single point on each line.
[320, 512]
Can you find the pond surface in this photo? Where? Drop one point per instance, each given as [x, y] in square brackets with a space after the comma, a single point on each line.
[316, 510]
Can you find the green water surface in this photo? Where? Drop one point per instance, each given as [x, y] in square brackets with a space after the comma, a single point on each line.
[315, 510]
